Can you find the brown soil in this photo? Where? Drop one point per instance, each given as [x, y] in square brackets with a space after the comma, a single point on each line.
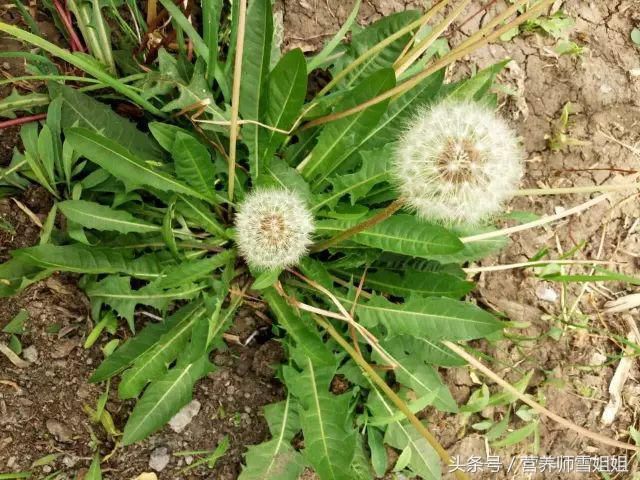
[41, 406]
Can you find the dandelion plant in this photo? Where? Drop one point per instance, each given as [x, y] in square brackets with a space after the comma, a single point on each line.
[349, 212]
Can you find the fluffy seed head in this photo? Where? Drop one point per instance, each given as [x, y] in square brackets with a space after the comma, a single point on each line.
[274, 228]
[457, 163]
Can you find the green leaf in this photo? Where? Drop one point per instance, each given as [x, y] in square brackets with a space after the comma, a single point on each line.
[194, 164]
[81, 62]
[424, 460]
[255, 69]
[152, 364]
[16, 325]
[266, 279]
[200, 47]
[16, 274]
[280, 175]
[46, 153]
[191, 270]
[94, 473]
[286, 90]
[123, 164]
[425, 350]
[49, 224]
[476, 87]
[516, 436]
[198, 91]
[374, 170]
[197, 211]
[163, 399]
[211, 10]
[116, 291]
[401, 110]
[635, 36]
[368, 38]
[341, 138]
[16, 103]
[305, 336]
[326, 52]
[326, 421]
[99, 217]
[135, 347]
[81, 110]
[75, 258]
[431, 318]
[165, 134]
[403, 234]
[415, 372]
[412, 282]
[601, 275]
[475, 250]
[167, 230]
[276, 459]
[378, 452]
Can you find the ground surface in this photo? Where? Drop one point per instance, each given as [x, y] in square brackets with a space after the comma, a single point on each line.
[41, 406]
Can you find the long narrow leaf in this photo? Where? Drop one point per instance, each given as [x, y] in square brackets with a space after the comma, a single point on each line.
[123, 164]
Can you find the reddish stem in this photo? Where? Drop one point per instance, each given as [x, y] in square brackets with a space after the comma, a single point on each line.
[22, 120]
[65, 16]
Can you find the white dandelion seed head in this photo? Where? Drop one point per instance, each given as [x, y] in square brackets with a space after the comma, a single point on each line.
[274, 228]
[457, 163]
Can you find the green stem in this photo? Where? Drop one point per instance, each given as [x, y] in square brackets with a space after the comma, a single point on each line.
[82, 64]
[368, 223]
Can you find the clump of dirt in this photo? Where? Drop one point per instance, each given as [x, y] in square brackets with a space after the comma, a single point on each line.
[308, 24]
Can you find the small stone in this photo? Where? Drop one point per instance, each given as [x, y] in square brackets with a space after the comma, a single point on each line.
[546, 294]
[30, 354]
[69, 461]
[159, 459]
[59, 431]
[597, 359]
[46, 469]
[64, 348]
[188, 459]
[184, 417]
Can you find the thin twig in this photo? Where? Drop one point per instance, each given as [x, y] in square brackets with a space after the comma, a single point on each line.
[22, 120]
[344, 316]
[402, 64]
[456, 54]
[74, 41]
[585, 189]
[392, 208]
[352, 312]
[235, 98]
[499, 268]
[478, 365]
[535, 223]
[382, 45]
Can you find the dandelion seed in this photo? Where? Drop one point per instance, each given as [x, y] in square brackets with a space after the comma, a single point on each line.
[274, 228]
[457, 163]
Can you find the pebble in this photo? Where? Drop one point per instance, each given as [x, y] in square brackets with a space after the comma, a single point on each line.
[159, 459]
[59, 431]
[30, 354]
[188, 459]
[546, 294]
[184, 417]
